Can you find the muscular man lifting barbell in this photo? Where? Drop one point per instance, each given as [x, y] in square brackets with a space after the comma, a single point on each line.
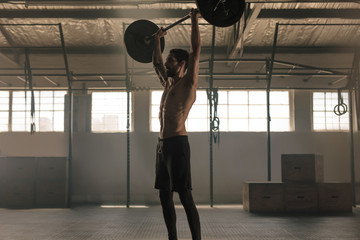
[144, 42]
[179, 77]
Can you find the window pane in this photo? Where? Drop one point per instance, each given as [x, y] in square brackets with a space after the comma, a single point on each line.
[318, 104]
[257, 97]
[46, 110]
[45, 119]
[4, 111]
[258, 125]
[198, 118]
[279, 124]
[239, 124]
[238, 97]
[58, 121]
[109, 111]
[279, 111]
[222, 111]
[201, 97]
[224, 126]
[257, 111]
[197, 125]
[198, 111]
[155, 111]
[222, 97]
[324, 117]
[279, 97]
[237, 111]
[155, 125]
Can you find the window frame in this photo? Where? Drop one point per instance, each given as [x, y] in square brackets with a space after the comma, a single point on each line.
[115, 131]
[291, 110]
[8, 111]
[312, 114]
[11, 111]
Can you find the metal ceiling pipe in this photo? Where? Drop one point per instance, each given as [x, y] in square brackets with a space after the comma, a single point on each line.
[142, 2]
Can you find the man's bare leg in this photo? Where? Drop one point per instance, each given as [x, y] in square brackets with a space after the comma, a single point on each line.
[168, 207]
[191, 213]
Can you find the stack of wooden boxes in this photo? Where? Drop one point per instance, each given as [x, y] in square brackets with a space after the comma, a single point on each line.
[28, 182]
[302, 189]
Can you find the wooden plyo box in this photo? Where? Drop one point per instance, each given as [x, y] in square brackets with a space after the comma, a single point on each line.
[335, 196]
[302, 168]
[301, 197]
[263, 196]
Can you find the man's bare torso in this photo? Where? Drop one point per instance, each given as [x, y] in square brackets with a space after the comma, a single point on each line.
[175, 105]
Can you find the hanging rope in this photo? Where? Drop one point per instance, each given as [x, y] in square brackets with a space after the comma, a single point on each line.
[214, 120]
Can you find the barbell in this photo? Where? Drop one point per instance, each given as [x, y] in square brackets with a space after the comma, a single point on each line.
[139, 35]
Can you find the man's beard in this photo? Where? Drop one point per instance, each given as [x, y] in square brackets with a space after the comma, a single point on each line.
[170, 72]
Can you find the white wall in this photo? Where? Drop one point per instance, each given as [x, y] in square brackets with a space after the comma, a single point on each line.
[99, 160]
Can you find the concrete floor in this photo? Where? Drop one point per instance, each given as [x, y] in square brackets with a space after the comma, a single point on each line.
[220, 223]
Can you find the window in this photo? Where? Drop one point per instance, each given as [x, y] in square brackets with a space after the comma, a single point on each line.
[4, 111]
[238, 110]
[247, 111]
[109, 111]
[324, 117]
[49, 111]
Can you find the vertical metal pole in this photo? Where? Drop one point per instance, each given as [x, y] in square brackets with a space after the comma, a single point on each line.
[269, 77]
[269, 68]
[71, 100]
[268, 132]
[127, 128]
[352, 154]
[211, 97]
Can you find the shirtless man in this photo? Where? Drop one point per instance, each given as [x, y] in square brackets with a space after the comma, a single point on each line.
[179, 77]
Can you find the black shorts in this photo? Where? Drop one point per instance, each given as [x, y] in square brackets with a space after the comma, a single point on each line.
[173, 164]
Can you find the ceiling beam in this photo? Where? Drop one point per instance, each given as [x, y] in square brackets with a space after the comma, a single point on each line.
[93, 13]
[310, 13]
[98, 50]
[204, 50]
[249, 22]
[171, 13]
[141, 2]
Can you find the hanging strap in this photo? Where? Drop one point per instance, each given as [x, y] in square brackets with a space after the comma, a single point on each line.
[213, 97]
[28, 79]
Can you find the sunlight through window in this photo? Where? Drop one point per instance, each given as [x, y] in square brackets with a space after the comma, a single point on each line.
[324, 117]
[49, 111]
[238, 110]
[109, 112]
[4, 111]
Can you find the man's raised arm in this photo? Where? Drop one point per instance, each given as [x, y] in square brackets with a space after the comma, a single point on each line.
[157, 59]
[193, 64]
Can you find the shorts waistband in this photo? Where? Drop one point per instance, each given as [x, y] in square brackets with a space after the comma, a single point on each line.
[173, 138]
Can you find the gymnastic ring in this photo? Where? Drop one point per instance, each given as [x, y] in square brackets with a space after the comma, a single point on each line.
[339, 111]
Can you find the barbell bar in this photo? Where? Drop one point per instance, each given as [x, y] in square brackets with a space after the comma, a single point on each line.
[139, 35]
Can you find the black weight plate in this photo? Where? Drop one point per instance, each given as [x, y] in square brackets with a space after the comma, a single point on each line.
[221, 13]
[139, 41]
